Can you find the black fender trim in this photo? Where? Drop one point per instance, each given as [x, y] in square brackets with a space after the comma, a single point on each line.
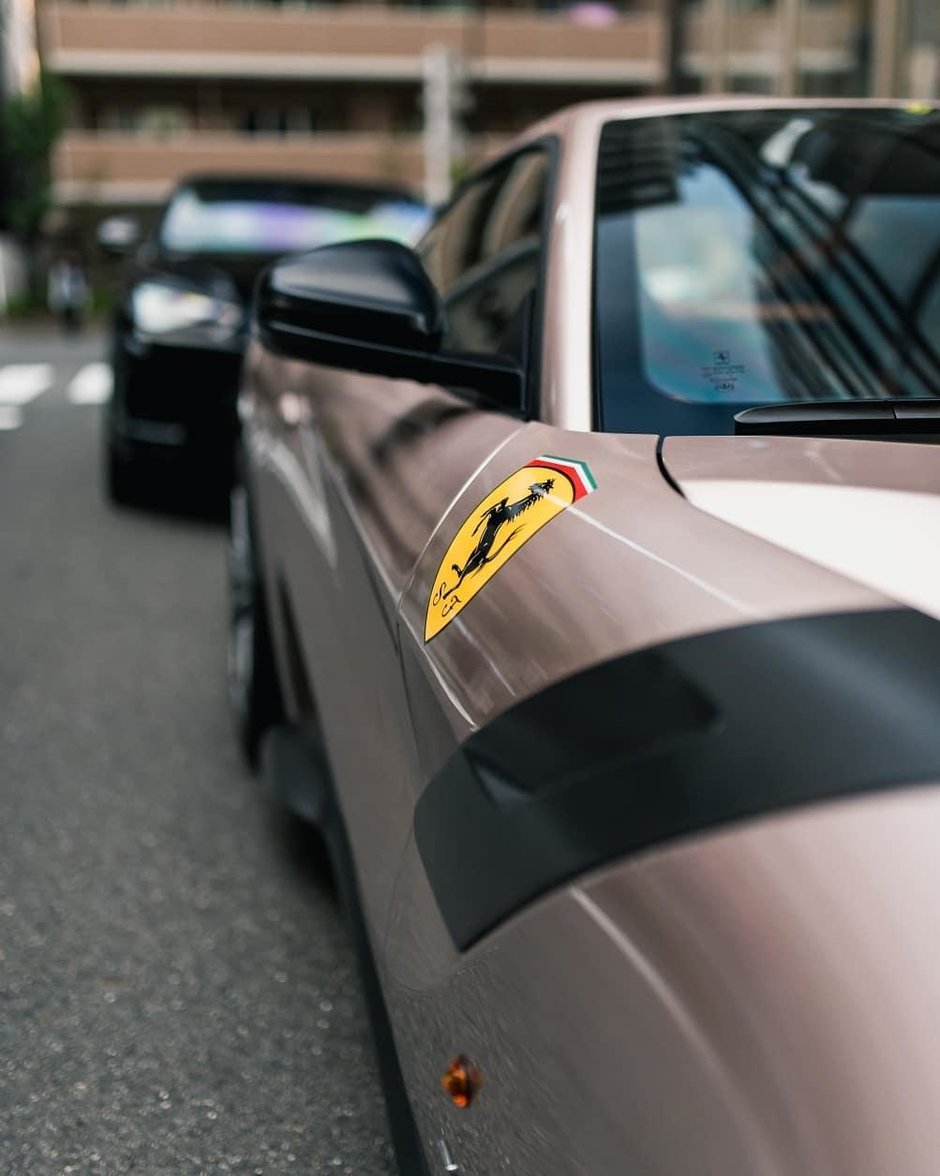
[675, 740]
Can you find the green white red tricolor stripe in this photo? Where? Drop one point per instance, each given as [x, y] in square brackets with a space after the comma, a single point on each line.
[578, 473]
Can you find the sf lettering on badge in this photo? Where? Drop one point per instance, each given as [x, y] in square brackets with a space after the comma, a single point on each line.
[498, 527]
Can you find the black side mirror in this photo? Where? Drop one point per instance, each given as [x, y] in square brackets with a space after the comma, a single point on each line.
[118, 236]
[368, 306]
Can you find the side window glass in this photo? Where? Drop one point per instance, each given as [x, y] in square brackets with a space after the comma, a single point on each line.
[453, 244]
[485, 256]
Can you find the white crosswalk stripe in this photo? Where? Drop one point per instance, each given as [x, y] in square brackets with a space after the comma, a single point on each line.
[11, 417]
[22, 382]
[91, 385]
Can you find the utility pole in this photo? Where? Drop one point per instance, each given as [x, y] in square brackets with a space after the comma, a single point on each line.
[444, 100]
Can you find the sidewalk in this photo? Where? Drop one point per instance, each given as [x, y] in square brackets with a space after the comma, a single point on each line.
[44, 326]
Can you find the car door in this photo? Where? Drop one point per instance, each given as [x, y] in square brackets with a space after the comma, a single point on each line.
[363, 469]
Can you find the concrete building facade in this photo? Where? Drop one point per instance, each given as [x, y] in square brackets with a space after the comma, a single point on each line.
[163, 89]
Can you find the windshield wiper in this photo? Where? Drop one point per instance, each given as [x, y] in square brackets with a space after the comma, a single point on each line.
[891, 419]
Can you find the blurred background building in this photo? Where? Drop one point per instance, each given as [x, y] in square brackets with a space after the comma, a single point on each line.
[163, 88]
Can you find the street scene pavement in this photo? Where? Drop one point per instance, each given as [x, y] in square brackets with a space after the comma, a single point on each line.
[178, 992]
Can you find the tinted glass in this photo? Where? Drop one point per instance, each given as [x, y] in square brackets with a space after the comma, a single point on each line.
[484, 256]
[753, 257]
[283, 218]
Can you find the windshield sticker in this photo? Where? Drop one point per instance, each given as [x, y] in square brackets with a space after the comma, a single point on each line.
[722, 373]
[498, 527]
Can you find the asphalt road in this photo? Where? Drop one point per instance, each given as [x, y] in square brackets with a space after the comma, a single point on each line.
[178, 993]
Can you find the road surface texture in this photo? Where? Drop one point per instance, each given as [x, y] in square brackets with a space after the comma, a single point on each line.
[178, 993]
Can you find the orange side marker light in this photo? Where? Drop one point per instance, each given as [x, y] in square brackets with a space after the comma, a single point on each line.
[461, 1082]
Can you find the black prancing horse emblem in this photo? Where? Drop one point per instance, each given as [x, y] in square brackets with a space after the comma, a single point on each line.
[494, 531]
[495, 519]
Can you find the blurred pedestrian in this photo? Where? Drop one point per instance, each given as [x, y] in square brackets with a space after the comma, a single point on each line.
[67, 292]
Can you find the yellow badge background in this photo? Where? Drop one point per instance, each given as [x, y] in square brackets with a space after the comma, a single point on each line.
[446, 600]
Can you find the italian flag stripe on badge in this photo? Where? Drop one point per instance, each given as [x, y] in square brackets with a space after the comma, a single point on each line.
[578, 473]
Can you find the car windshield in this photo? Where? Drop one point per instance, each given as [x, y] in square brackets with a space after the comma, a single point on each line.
[758, 256]
[243, 218]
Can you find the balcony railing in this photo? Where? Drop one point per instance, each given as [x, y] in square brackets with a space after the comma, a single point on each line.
[120, 168]
[585, 43]
[827, 40]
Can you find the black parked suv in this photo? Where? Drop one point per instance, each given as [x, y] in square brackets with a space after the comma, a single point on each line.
[181, 325]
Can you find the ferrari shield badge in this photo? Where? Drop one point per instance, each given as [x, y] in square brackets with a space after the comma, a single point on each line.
[498, 526]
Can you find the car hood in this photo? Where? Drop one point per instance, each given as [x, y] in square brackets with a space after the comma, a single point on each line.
[868, 510]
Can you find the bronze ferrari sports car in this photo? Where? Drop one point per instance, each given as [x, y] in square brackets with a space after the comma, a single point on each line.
[585, 586]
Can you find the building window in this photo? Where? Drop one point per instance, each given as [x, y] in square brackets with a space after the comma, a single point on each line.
[280, 120]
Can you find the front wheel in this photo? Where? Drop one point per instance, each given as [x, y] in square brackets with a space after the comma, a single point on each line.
[253, 689]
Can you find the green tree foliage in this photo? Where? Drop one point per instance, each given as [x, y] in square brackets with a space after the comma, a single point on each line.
[30, 124]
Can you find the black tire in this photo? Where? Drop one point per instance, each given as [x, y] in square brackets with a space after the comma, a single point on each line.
[121, 484]
[253, 688]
